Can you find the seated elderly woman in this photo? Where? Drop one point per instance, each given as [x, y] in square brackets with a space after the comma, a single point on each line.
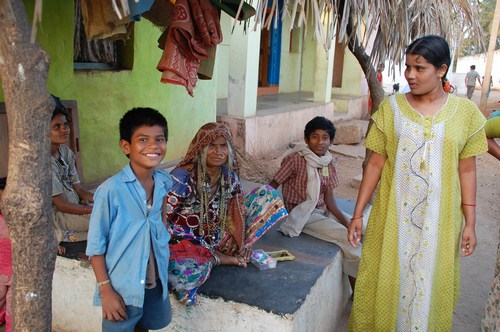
[210, 221]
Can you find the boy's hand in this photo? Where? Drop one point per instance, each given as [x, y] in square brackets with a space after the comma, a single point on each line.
[113, 306]
[354, 232]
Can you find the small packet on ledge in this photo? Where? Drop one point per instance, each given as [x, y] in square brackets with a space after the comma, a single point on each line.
[262, 260]
[281, 255]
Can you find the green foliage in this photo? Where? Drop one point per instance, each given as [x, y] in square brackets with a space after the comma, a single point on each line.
[486, 13]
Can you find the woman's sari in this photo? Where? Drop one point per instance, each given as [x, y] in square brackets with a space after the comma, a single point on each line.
[194, 238]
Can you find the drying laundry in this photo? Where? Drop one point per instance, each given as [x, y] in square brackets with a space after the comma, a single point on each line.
[191, 38]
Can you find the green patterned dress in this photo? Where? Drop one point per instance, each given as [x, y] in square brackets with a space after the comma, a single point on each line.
[409, 272]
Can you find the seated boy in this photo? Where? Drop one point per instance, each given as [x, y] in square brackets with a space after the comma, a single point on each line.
[308, 177]
[128, 242]
[70, 216]
[5, 269]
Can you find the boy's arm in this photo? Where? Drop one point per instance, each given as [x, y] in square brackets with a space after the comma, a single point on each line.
[333, 208]
[287, 170]
[274, 184]
[63, 205]
[83, 193]
[113, 306]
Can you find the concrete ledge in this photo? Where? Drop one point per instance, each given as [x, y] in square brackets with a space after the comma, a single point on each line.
[307, 294]
[350, 107]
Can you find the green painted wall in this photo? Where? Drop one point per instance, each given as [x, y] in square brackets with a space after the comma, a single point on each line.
[290, 58]
[223, 56]
[352, 84]
[308, 62]
[104, 96]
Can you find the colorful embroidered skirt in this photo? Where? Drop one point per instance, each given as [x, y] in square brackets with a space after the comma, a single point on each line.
[190, 263]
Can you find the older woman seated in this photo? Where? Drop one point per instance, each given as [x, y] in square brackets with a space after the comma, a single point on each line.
[210, 221]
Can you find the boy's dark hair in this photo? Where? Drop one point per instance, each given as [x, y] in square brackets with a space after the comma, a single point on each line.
[60, 109]
[3, 183]
[432, 48]
[322, 123]
[473, 67]
[141, 116]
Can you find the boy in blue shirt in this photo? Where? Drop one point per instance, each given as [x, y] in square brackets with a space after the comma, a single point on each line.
[127, 240]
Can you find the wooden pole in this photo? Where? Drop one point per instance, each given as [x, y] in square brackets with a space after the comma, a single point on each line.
[489, 59]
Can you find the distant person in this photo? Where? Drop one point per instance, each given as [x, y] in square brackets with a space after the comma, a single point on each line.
[5, 269]
[395, 88]
[380, 79]
[490, 85]
[380, 76]
[71, 202]
[424, 146]
[470, 80]
[128, 242]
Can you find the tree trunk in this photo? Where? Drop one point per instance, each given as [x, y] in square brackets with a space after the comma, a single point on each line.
[376, 90]
[26, 202]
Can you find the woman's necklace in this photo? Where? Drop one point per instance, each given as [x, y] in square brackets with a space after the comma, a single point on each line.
[206, 188]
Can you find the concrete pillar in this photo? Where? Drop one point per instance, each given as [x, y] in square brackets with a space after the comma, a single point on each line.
[243, 72]
[323, 74]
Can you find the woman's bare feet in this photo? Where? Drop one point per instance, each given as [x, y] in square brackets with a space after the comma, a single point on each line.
[232, 260]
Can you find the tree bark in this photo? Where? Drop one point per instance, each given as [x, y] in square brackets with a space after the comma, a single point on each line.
[27, 200]
[359, 52]
[376, 90]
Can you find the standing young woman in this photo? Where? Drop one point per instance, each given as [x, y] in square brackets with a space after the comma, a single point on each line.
[424, 145]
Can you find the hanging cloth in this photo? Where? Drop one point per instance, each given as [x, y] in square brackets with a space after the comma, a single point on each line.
[191, 38]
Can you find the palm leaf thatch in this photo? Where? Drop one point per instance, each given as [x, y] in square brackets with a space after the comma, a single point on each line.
[390, 24]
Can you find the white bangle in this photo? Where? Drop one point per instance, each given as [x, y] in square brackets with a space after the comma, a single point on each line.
[216, 258]
[102, 283]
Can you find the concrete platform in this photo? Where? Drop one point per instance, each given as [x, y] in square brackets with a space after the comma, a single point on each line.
[307, 294]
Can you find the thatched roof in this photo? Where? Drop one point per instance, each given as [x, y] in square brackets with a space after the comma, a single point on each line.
[392, 24]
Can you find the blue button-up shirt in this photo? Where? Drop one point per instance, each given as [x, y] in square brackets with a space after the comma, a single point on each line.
[122, 229]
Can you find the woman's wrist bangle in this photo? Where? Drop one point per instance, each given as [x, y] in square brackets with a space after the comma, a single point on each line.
[102, 283]
[216, 259]
[464, 204]
[354, 218]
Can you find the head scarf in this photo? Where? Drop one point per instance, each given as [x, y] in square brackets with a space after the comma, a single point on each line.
[235, 221]
[206, 134]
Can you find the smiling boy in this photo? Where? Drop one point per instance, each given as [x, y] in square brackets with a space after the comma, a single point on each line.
[308, 177]
[127, 241]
